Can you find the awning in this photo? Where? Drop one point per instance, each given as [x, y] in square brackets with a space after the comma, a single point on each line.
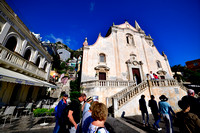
[14, 77]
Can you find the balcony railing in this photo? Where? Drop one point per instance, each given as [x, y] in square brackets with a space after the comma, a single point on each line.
[107, 83]
[12, 59]
[122, 97]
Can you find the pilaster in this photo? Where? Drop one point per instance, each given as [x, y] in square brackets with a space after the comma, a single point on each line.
[8, 92]
[4, 31]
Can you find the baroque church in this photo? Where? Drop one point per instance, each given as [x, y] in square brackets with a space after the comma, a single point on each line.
[116, 66]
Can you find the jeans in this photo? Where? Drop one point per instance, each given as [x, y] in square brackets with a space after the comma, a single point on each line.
[156, 123]
[56, 128]
[143, 117]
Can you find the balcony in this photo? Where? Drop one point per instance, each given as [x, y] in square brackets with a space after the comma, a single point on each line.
[15, 62]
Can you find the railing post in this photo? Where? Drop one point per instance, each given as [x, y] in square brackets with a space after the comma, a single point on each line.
[115, 105]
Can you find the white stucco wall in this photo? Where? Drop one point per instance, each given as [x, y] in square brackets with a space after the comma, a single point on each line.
[117, 52]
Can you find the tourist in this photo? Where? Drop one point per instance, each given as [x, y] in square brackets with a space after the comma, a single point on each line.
[99, 114]
[165, 109]
[148, 76]
[143, 108]
[151, 75]
[155, 76]
[187, 122]
[192, 101]
[74, 112]
[87, 118]
[154, 109]
[87, 104]
[61, 115]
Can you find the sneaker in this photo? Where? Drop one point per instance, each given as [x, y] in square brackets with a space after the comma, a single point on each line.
[159, 129]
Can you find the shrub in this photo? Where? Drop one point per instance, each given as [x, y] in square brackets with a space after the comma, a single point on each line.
[40, 112]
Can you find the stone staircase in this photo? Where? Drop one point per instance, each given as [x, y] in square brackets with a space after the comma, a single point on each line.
[168, 87]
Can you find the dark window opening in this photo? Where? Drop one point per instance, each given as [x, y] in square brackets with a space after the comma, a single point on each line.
[37, 62]
[11, 43]
[45, 66]
[27, 54]
[102, 58]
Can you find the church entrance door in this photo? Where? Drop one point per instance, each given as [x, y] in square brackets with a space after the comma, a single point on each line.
[136, 75]
[102, 76]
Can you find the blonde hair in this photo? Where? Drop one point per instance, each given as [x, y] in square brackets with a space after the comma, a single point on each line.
[100, 112]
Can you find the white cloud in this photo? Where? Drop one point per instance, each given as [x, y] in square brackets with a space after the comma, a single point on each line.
[92, 4]
[37, 36]
[55, 39]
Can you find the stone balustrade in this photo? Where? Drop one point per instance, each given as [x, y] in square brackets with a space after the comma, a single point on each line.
[12, 59]
[106, 83]
[163, 82]
[122, 97]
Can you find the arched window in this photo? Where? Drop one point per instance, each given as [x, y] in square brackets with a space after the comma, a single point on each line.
[129, 39]
[158, 64]
[45, 66]
[37, 62]
[102, 57]
[27, 54]
[11, 43]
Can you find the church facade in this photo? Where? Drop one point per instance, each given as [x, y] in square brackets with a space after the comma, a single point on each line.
[126, 53]
[119, 65]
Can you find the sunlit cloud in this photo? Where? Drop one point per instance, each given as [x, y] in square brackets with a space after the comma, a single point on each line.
[51, 36]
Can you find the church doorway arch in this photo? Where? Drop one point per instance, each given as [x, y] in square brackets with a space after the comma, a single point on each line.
[136, 75]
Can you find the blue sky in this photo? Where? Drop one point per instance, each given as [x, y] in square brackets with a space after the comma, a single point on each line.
[173, 24]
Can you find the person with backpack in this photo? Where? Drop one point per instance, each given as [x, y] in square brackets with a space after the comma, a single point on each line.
[61, 115]
[99, 114]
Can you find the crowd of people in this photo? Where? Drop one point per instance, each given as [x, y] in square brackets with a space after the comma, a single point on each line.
[90, 116]
[188, 119]
[87, 118]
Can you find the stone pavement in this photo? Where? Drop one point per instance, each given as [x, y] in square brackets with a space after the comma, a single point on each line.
[137, 122]
[29, 124]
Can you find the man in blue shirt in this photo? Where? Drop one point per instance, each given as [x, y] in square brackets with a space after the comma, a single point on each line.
[165, 109]
[61, 115]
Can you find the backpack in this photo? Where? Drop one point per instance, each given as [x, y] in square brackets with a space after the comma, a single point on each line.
[101, 128]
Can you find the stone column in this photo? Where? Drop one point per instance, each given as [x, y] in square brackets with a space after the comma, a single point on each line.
[24, 93]
[8, 92]
[4, 31]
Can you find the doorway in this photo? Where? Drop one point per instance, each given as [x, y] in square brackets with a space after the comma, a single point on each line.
[102, 76]
[136, 75]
